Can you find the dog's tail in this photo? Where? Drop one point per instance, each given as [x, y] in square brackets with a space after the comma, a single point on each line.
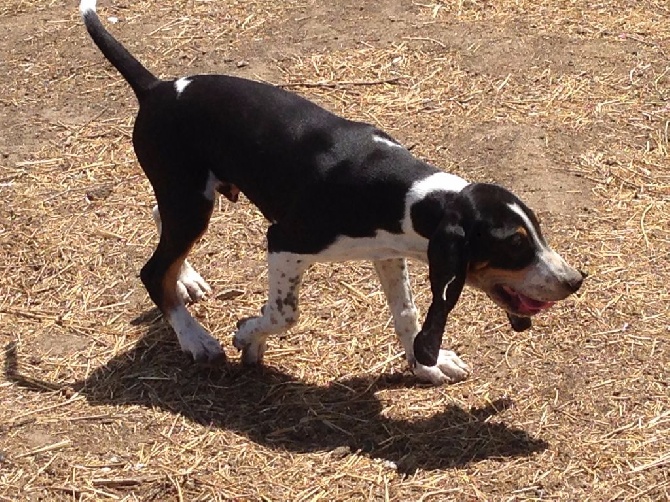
[139, 78]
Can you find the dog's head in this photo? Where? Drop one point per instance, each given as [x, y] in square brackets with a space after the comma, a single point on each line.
[509, 258]
[491, 240]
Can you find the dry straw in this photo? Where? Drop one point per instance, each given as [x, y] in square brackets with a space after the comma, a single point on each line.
[566, 105]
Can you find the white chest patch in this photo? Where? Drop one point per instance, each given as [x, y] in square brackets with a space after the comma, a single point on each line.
[383, 246]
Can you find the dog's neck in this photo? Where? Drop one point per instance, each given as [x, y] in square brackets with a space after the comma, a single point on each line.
[436, 210]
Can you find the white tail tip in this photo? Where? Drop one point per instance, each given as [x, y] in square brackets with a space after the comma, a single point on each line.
[86, 6]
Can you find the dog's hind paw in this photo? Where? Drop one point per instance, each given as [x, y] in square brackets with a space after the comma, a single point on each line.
[202, 346]
[191, 287]
[449, 369]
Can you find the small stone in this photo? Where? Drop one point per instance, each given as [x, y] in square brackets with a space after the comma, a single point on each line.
[341, 452]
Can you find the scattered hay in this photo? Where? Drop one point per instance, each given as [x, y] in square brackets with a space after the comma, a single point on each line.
[567, 105]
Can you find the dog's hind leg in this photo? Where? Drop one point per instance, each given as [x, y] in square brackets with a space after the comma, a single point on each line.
[183, 219]
[191, 287]
[395, 283]
[280, 313]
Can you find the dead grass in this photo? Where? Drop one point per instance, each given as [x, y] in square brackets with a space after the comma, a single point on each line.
[567, 105]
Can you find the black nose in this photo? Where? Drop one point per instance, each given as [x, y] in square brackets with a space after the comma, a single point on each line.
[574, 283]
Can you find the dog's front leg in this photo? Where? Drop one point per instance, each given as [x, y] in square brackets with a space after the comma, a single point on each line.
[394, 279]
[447, 268]
[281, 310]
[395, 283]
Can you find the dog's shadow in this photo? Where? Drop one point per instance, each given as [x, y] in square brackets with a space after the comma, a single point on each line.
[278, 411]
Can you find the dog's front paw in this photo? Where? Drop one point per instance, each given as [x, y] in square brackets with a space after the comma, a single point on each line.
[191, 287]
[449, 369]
[253, 348]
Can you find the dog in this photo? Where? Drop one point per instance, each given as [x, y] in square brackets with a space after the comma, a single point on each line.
[332, 190]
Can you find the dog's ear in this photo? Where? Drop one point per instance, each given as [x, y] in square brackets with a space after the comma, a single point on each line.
[447, 263]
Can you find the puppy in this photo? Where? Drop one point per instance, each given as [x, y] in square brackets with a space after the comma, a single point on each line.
[332, 190]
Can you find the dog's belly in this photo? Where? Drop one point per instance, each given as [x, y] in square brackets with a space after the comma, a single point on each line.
[384, 245]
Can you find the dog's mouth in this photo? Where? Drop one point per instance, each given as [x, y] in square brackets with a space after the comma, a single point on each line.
[518, 303]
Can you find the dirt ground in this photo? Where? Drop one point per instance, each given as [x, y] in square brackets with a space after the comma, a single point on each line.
[566, 103]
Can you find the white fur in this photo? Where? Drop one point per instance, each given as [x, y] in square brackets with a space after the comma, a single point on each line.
[386, 245]
[446, 286]
[210, 188]
[157, 219]
[449, 369]
[193, 338]
[383, 246]
[281, 310]
[386, 141]
[515, 208]
[395, 283]
[181, 84]
[86, 6]
[191, 287]
[545, 279]
[445, 182]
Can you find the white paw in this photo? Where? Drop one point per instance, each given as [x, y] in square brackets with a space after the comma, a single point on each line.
[252, 347]
[200, 344]
[191, 287]
[193, 338]
[449, 369]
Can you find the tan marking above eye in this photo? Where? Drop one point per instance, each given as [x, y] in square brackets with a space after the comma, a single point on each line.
[522, 231]
[479, 265]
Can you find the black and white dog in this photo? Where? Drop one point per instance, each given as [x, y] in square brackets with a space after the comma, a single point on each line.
[333, 190]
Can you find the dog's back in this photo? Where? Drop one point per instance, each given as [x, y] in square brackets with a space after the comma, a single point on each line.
[334, 190]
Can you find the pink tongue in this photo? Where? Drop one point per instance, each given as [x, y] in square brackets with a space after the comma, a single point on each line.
[527, 303]
[530, 304]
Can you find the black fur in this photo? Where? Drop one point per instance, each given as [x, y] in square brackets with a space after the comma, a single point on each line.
[314, 175]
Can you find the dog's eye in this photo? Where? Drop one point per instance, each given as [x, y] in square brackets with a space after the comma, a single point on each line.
[515, 240]
[518, 238]
[512, 250]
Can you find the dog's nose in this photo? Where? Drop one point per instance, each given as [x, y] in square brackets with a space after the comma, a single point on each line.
[575, 280]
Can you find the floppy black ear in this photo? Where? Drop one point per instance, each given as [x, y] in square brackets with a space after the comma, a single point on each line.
[447, 263]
